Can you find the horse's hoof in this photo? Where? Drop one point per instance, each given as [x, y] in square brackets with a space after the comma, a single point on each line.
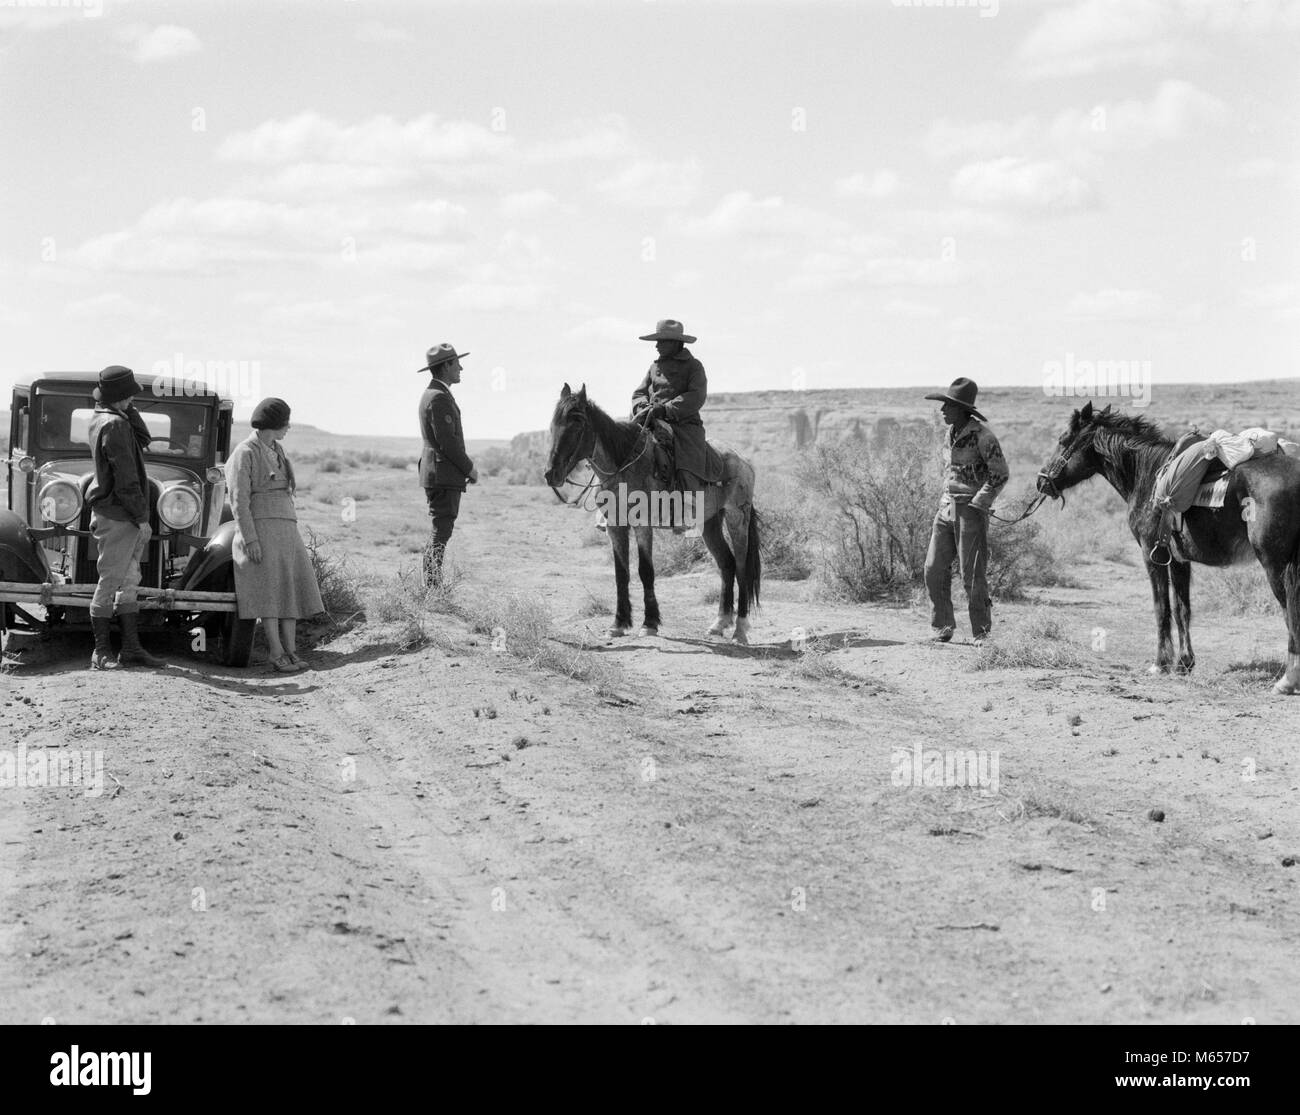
[617, 632]
[719, 626]
[1285, 687]
[740, 639]
[1155, 669]
[647, 632]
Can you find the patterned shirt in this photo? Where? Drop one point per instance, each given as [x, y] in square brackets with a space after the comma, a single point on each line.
[976, 470]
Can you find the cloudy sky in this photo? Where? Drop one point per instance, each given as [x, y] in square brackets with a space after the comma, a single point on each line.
[866, 193]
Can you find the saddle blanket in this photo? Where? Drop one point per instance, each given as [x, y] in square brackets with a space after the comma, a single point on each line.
[1213, 493]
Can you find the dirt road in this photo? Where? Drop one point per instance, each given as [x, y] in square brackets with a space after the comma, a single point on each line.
[446, 834]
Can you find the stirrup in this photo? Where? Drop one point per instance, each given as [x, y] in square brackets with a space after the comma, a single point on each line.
[1169, 555]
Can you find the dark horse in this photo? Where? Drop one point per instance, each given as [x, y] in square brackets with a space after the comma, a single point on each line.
[622, 453]
[1261, 512]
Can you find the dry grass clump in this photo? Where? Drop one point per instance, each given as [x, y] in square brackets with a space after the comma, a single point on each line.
[1039, 641]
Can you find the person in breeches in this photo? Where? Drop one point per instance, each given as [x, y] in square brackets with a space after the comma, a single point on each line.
[119, 517]
[674, 390]
[445, 467]
[975, 472]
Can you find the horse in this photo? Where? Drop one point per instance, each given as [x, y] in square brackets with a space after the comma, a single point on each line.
[622, 453]
[1261, 512]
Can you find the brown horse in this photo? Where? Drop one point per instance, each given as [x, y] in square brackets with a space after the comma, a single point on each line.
[622, 456]
[1261, 512]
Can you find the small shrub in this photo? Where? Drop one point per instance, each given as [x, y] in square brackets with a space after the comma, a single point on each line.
[1037, 642]
[677, 553]
[338, 587]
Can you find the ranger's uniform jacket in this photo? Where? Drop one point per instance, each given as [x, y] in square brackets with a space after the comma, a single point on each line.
[975, 470]
[679, 383]
[444, 462]
[120, 487]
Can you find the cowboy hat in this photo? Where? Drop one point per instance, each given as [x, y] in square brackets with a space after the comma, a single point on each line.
[440, 354]
[962, 392]
[669, 330]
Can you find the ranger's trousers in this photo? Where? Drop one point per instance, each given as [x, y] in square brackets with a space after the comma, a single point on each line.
[444, 506]
[121, 547]
[959, 533]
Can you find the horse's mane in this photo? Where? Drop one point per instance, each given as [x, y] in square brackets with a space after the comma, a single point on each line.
[1115, 432]
[619, 438]
[1132, 427]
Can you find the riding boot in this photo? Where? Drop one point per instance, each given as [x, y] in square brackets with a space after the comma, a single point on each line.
[133, 654]
[692, 502]
[101, 658]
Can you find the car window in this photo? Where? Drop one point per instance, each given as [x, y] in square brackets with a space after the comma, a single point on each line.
[178, 429]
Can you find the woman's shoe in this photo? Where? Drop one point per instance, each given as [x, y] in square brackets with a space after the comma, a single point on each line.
[292, 655]
[285, 665]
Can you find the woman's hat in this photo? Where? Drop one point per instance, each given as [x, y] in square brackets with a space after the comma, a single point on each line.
[962, 392]
[115, 384]
[270, 414]
[440, 354]
[669, 330]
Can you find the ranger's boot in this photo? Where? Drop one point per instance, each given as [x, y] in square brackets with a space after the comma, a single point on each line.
[133, 654]
[101, 658]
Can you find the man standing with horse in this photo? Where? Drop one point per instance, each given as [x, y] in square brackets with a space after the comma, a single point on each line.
[674, 390]
[445, 467]
[974, 473]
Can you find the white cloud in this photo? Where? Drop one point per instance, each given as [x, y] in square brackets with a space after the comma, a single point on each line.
[605, 138]
[11, 316]
[112, 304]
[1083, 38]
[917, 311]
[380, 140]
[219, 232]
[647, 183]
[742, 214]
[1281, 300]
[1114, 304]
[615, 330]
[373, 311]
[313, 181]
[382, 34]
[1015, 183]
[527, 203]
[881, 184]
[1254, 169]
[1178, 109]
[980, 139]
[159, 44]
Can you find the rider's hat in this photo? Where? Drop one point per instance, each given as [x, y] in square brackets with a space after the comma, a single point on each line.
[669, 330]
[962, 392]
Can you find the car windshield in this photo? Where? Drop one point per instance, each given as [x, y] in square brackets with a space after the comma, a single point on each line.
[178, 428]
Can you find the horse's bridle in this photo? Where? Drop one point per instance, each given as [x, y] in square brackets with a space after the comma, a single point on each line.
[598, 476]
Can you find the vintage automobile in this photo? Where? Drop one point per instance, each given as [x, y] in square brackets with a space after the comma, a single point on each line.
[47, 553]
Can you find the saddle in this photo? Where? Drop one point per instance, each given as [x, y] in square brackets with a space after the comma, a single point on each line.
[665, 467]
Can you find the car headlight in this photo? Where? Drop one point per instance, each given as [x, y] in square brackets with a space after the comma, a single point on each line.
[178, 507]
[59, 502]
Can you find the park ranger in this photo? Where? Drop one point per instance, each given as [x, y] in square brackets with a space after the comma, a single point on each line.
[445, 467]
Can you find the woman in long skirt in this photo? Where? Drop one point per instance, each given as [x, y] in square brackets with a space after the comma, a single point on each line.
[274, 578]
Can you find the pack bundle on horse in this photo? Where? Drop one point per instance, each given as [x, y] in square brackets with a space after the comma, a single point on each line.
[622, 456]
[1260, 512]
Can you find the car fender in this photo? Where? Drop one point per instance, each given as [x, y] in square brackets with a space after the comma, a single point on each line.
[212, 559]
[21, 559]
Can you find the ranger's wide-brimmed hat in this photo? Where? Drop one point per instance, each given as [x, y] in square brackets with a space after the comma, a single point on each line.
[669, 330]
[440, 354]
[115, 384]
[962, 392]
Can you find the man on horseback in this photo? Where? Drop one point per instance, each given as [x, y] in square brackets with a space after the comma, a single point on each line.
[975, 472]
[674, 390]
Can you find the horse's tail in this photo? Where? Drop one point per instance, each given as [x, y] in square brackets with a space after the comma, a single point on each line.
[753, 558]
